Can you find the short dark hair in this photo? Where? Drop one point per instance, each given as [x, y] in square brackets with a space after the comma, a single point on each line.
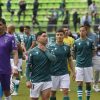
[87, 24]
[65, 26]
[28, 27]
[83, 26]
[60, 30]
[3, 21]
[39, 33]
[21, 28]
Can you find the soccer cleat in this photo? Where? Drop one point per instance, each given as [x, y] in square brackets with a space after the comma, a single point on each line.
[14, 93]
[96, 88]
[22, 76]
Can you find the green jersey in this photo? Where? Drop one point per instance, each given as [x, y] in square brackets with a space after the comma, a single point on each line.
[62, 53]
[28, 41]
[38, 67]
[21, 35]
[18, 40]
[83, 50]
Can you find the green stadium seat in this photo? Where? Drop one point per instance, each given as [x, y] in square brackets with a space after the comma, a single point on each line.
[44, 7]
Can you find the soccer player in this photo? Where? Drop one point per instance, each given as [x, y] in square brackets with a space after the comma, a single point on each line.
[84, 50]
[7, 45]
[67, 39]
[29, 39]
[38, 69]
[11, 30]
[59, 69]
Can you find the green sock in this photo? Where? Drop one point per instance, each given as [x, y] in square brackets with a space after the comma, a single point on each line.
[52, 98]
[66, 98]
[79, 92]
[88, 92]
[16, 87]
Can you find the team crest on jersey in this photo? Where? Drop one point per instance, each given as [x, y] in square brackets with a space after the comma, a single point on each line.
[88, 43]
[79, 43]
[55, 49]
[37, 53]
[65, 48]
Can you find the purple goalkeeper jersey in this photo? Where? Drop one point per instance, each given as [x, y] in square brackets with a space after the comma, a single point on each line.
[7, 44]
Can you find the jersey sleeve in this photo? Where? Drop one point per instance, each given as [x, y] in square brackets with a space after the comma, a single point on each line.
[29, 67]
[74, 50]
[33, 37]
[93, 46]
[14, 43]
[69, 49]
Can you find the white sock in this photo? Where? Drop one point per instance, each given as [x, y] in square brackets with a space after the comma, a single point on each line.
[8, 98]
[0, 98]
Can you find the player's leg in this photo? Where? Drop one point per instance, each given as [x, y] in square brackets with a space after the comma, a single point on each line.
[1, 92]
[88, 79]
[16, 85]
[46, 94]
[17, 81]
[64, 85]
[96, 80]
[20, 67]
[6, 86]
[55, 85]
[35, 90]
[79, 80]
[46, 89]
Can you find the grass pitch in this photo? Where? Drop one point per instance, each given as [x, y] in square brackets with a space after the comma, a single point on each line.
[24, 92]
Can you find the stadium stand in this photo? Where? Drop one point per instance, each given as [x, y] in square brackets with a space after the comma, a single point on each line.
[45, 5]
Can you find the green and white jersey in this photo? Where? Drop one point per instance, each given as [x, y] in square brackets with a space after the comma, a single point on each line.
[21, 35]
[38, 67]
[62, 53]
[83, 50]
[18, 40]
[28, 40]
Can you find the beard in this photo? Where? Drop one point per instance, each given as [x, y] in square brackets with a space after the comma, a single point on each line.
[2, 32]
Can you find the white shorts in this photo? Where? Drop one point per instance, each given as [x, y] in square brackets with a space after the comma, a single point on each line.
[38, 87]
[19, 64]
[84, 74]
[60, 82]
[96, 63]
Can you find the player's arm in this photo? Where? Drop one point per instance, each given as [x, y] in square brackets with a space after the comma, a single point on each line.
[15, 67]
[28, 71]
[73, 51]
[94, 48]
[33, 44]
[50, 56]
[33, 41]
[70, 61]
[15, 56]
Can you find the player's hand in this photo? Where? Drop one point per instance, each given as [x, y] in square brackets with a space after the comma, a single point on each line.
[25, 54]
[15, 72]
[29, 84]
[42, 47]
